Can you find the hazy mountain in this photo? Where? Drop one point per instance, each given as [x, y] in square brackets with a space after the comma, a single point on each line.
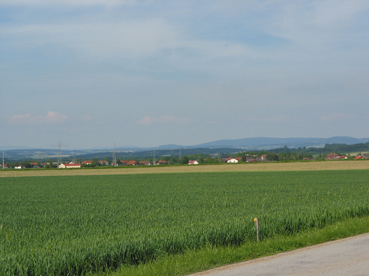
[267, 143]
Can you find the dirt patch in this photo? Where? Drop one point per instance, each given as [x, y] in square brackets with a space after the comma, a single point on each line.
[296, 166]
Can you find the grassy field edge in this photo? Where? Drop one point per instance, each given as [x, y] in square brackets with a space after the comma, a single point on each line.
[216, 256]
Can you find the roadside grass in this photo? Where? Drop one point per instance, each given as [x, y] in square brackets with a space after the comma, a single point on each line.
[216, 256]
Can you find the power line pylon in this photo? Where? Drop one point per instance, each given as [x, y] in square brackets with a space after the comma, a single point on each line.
[115, 157]
[59, 146]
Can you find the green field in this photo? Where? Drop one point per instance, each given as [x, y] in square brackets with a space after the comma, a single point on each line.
[70, 225]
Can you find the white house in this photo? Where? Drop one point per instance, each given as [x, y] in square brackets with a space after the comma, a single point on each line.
[232, 160]
[193, 162]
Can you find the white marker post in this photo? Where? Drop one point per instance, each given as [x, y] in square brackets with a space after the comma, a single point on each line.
[257, 228]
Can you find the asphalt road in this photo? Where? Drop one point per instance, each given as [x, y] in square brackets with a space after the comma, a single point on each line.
[348, 256]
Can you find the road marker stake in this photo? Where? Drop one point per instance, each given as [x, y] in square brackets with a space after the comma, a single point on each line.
[257, 228]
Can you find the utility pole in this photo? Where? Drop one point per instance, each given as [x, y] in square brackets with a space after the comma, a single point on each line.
[153, 161]
[3, 161]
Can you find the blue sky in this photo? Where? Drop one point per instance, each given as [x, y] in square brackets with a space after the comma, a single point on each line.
[149, 73]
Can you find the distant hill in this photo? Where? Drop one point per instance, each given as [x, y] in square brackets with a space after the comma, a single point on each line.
[216, 147]
[39, 154]
[269, 143]
[262, 143]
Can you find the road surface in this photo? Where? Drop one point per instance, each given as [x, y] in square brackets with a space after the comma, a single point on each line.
[348, 256]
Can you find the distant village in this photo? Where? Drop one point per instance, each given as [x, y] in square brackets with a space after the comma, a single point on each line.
[246, 158]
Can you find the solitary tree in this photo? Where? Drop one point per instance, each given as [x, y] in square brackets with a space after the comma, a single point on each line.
[272, 156]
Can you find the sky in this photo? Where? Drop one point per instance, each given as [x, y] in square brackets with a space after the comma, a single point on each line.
[91, 73]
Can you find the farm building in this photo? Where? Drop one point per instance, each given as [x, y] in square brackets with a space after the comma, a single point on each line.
[263, 158]
[69, 166]
[333, 156]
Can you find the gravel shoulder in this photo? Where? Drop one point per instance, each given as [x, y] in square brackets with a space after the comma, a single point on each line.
[293, 166]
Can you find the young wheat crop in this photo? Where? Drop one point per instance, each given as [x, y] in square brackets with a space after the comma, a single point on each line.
[73, 225]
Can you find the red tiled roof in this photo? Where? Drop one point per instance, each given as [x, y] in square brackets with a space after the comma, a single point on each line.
[251, 160]
[332, 156]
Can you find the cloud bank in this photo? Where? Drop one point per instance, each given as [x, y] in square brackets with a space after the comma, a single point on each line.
[51, 117]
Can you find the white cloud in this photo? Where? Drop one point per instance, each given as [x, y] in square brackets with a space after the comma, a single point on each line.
[315, 23]
[147, 120]
[51, 117]
[128, 39]
[164, 119]
[150, 37]
[107, 36]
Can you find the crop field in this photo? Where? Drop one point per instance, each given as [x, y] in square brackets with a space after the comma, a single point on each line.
[259, 166]
[75, 225]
